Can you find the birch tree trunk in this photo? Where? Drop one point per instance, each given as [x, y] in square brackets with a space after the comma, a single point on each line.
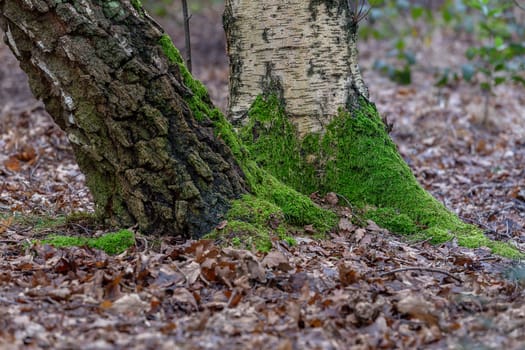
[302, 108]
[306, 51]
[102, 70]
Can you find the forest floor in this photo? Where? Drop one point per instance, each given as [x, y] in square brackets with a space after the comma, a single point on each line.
[364, 288]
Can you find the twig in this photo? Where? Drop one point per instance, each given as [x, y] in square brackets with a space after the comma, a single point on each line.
[519, 5]
[429, 269]
[7, 241]
[346, 200]
[421, 242]
[358, 10]
[479, 223]
[187, 33]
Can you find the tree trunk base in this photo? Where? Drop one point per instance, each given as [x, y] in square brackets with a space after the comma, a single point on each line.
[356, 159]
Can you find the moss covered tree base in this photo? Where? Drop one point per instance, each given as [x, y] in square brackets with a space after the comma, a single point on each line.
[272, 208]
[356, 158]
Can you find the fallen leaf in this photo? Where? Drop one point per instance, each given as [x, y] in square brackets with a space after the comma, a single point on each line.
[416, 306]
[276, 259]
[27, 154]
[185, 297]
[12, 164]
[347, 274]
[331, 198]
[129, 303]
[345, 225]
[5, 223]
[222, 224]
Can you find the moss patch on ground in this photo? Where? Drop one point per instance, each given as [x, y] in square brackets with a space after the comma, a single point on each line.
[356, 158]
[253, 223]
[111, 243]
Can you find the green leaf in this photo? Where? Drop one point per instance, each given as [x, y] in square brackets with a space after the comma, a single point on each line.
[471, 53]
[416, 12]
[402, 76]
[400, 44]
[485, 86]
[410, 57]
[498, 42]
[499, 80]
[447, 15]
[518, 79]
[468, 71]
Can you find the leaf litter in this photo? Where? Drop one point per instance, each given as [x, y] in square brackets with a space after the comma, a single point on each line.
[364, 288]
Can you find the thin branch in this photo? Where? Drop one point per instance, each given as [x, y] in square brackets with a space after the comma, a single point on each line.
[358, 10]
[519, 5]
[428, 269]
[187, 33]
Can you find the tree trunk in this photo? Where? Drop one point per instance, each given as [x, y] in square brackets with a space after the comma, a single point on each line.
[306, 51]
[156, 153]
[102, 70]
[302, 109]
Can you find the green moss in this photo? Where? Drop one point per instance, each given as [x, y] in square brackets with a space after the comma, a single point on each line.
[357, 159]
[199, 100]
[137, 4]
[244, 235]
[111, 243]
[253, 223]
[48, 222]
[395, 221]
[272, 141]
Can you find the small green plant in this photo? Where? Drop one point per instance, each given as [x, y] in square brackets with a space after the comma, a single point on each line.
[236, 241]
[401, 70]
[499, 59]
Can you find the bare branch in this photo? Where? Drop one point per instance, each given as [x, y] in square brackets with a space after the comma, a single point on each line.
[187, 18]
[519, 5]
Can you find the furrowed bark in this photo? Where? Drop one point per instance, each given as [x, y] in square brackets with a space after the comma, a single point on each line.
[98, 67]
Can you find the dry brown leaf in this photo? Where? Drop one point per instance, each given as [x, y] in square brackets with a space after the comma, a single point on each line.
[27, 154]
[106, 304]
[276, 259]
[331, 198]
[222, 224]
[12, 164]
[347, 274]
[359, 234]
[345, 225]
[184, 296]
[416, 306]
[5, 223]
[191, 271]
[130, 303]
[372, 226]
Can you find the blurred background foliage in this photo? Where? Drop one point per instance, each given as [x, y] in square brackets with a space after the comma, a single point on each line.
[492, 31]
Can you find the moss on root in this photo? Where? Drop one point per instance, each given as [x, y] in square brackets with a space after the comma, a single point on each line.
[199, 100]
[253, 223]
[357, 159]
[111, 243]
[296, 208]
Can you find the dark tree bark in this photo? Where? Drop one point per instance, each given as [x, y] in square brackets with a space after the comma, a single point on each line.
[98, 67]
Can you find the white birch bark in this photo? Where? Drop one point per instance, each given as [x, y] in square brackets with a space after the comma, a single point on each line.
[306, 49]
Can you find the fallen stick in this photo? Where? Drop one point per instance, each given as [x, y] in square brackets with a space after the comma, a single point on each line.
[428, 269]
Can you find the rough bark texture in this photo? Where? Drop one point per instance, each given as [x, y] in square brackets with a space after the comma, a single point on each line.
[104, 78]
[306, 50]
